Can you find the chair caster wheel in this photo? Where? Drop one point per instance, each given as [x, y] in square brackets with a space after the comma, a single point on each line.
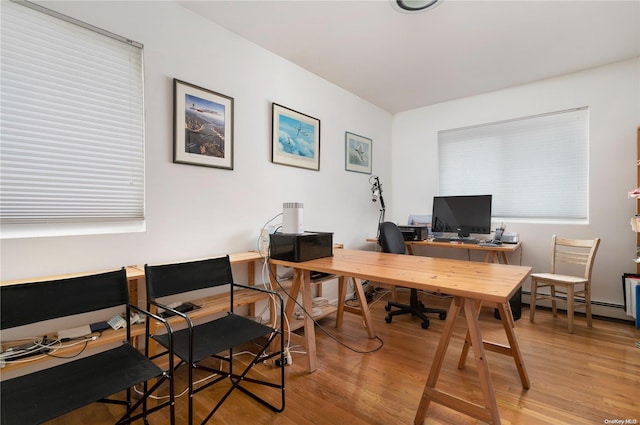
[387, 307]
[442, 315]
[388, 318]
[425, 325]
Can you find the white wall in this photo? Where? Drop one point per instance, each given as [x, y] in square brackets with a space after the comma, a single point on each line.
[197, 211]
[613, 95]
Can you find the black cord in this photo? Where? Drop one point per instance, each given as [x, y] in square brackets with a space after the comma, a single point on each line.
[326, 332]
[86, 343]
[44, 347]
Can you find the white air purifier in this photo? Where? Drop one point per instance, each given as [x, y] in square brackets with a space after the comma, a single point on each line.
[292, 218]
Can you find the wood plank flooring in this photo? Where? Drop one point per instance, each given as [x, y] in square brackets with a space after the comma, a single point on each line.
[590, 377]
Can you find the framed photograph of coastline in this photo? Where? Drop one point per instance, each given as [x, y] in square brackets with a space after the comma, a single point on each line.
[295, 139]
[202, 126]
[358, 150]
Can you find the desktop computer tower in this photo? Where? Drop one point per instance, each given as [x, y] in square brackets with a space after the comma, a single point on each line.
[516, 306]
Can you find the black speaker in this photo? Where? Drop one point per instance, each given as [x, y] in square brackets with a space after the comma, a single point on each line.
[516, 306]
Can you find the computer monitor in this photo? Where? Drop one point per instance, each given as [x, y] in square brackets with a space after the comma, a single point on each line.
[462, 214]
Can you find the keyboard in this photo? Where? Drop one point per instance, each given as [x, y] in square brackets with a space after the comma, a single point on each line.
[457, 240]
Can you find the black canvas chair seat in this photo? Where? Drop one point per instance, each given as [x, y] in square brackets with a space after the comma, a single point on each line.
[64, 388]
[214, 337]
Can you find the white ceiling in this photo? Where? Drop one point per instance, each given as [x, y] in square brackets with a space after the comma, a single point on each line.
[460, 48]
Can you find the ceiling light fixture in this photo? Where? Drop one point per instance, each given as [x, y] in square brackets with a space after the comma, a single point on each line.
[416, 5]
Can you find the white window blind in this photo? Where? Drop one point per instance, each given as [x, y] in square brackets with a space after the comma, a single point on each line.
[72, 146]
[535, 167]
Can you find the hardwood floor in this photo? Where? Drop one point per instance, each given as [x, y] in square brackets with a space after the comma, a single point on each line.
[590, 377]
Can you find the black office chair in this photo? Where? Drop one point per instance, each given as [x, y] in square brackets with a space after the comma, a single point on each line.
[217, 338]
[392, 241]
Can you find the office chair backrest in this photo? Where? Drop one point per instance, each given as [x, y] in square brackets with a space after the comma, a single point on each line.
[177, 278]
[391, 238]
[580, 252]
[34, 302]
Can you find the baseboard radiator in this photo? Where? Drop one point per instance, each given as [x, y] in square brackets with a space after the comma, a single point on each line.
[598, 308]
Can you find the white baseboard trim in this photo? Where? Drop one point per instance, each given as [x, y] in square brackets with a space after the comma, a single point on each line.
[597, 308]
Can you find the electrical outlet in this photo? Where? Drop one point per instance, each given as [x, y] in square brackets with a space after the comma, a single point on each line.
[288, 360]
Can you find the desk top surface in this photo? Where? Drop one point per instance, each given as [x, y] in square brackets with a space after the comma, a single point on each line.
[505, 247]
[482, 281]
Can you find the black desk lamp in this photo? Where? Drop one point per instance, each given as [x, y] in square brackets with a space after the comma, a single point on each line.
[376, 192]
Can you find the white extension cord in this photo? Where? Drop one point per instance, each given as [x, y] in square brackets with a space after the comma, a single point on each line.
[80, 331]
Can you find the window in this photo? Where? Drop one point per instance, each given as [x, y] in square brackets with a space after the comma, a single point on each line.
[535, 167]
[72, 130]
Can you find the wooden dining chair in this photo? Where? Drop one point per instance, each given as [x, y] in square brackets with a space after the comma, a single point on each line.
[575, 289]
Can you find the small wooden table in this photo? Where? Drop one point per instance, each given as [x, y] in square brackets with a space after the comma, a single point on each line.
[470, 284]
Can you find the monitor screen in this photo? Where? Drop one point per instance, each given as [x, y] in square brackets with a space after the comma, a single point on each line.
[462, 214]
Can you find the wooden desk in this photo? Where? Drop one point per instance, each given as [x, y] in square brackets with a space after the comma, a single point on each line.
[303, 284]
[470, 284]
[493, 254]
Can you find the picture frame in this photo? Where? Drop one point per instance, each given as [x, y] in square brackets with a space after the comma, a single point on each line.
[358, 153]
[202, 126]
[295, 139]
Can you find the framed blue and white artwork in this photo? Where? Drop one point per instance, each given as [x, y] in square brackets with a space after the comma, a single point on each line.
[295, 139]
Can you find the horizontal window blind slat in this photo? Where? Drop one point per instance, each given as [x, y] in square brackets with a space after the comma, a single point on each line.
[535, 167]
[16, 137]
[72, 146]
[62, 92]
